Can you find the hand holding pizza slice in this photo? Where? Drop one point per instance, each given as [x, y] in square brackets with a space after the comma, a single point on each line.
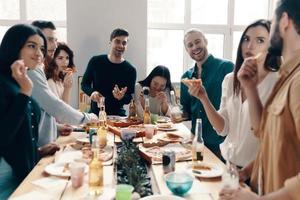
[196, 87]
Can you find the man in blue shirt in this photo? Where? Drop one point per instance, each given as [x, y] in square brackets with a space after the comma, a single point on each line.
[212, 72]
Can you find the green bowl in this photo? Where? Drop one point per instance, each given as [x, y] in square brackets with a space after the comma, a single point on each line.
[179, 182]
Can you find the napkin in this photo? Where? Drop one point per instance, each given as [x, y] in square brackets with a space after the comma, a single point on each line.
[50, 182]
[34, 195]
[108, 194]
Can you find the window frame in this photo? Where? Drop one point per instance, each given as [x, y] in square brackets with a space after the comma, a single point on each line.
[23, 18]
[227, 30]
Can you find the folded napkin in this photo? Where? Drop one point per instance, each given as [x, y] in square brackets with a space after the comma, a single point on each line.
[50, 182]
[34, 195]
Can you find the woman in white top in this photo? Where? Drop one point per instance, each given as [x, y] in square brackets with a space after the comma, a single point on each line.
[233, 119]
[159, 85]
[59, 73]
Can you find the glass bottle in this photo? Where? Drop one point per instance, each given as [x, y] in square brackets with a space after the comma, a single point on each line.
[230, 176]
[147, 115]
[198, 144]
[95, 173]
[132, 110]
[175, 109]
[102, 128]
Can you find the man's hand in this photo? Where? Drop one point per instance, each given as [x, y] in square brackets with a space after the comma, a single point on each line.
[64, 129]
[237, 194]
[197, 90]
[19, 73]
[48, 149]
[119, 94]
[95, 96]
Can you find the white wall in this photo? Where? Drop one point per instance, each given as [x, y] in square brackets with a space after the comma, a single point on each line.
[89, 24]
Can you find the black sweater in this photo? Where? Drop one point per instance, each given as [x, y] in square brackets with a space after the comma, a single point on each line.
[19, 119]
[102, 75]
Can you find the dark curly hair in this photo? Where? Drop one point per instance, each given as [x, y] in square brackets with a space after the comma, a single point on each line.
[51, 71]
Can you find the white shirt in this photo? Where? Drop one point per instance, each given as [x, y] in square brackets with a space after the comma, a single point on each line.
[153, 101]
[56, 87]
[236, 115]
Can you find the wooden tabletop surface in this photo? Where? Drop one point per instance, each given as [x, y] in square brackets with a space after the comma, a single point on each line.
[201, 189]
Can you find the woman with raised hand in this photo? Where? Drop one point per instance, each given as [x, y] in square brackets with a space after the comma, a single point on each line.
[233, 119]
[23, 48]
[158, 82]
[60, 71]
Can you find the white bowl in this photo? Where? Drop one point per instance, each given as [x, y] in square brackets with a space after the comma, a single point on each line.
[162, 197]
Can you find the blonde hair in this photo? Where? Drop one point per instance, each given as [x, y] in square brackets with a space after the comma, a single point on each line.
[194, 30]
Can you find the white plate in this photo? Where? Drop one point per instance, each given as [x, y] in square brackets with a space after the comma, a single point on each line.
[115, 117]
[57, 169]
[162, 197]
[167, 129]
[215, 171]
[83, 140]
[163, 119]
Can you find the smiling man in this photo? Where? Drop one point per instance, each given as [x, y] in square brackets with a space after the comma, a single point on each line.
[49, 30]
[212, 72]
[110, 76]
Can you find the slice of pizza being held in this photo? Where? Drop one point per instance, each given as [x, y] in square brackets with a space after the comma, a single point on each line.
[192, 81]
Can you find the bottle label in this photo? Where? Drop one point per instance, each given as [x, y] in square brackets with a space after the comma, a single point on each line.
[199, 156]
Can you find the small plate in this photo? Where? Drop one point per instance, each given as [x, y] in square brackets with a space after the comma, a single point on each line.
[83, 140]
[167, 129]
[213, 172]
[116, 117]
[163, 119]
[57, 169]
[166, 126]
[162, 197]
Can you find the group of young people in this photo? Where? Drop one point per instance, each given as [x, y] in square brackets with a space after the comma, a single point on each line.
[248, 104]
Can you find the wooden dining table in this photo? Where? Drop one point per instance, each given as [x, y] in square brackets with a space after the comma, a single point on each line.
[202, 188]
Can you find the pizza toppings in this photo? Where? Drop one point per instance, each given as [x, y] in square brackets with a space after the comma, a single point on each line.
[192, 81]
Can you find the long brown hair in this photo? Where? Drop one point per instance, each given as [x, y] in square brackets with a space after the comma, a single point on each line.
[51, 70]
[239, 58]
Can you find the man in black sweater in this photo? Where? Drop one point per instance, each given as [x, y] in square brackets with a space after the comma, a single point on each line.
[110, 76]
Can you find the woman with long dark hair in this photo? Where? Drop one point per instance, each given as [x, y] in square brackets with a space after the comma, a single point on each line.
[59, 72]
[23, 48]
[232, 119]
[158, 82]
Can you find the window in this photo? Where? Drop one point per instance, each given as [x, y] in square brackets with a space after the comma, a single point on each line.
[222, 25]
[25, 11]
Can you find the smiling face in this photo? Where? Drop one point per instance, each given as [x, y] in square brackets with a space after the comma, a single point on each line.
[62, 60]
[118, 46]
[32, 51]
[255, 40]
[196, 46]
[50, 35]
[157, 85]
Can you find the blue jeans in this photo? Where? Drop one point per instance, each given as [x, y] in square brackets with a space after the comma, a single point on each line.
[8, 183]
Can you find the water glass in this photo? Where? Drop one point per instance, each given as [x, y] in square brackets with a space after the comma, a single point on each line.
[124, 192]
[77, 174]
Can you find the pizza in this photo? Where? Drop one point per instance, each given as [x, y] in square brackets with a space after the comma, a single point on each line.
[103, 154]
[155, 153]
[69, 69]
[171, 137]
[123, 122]
[187, 81]
[165, 125]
